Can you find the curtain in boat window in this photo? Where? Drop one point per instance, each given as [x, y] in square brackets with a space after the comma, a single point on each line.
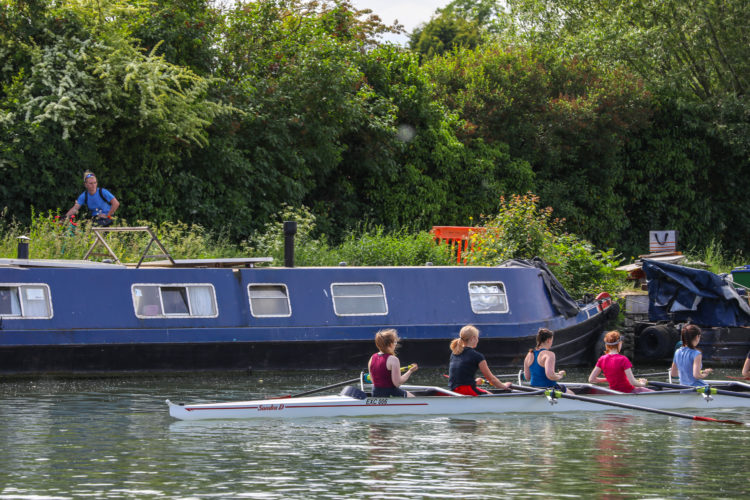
[34, 300]
[202, 301]
[269, 300]
[355, 299]
[488, 298]
[182, 300]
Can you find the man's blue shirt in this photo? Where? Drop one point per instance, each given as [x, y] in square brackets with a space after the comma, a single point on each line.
[95, 203]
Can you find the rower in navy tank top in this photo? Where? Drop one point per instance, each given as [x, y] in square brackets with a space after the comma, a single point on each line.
[464, 363]
[385, 368]
[539, 364]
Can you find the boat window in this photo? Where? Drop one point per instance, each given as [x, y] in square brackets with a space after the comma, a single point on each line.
[202, 301]
[159, 301]
[359, 299]
[269, 300]
[25, 301]
[488, 297]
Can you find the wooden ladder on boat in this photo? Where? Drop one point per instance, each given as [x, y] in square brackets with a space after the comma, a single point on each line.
[99, 239]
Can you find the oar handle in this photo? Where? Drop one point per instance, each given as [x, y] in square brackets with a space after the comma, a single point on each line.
[368, 379]
[703, 389]
[321, 389]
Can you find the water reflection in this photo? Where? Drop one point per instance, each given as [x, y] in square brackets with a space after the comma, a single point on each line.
[114, 439]
[612, 470]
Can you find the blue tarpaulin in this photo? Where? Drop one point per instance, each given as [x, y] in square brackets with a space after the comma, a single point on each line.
[683, 294]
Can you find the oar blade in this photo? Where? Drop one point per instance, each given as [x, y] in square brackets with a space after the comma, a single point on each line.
[718, 420]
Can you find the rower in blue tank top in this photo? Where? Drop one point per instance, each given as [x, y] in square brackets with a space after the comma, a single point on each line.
[539, 365]
[688, 361]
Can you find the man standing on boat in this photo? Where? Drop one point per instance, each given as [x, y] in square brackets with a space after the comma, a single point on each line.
[101, 203]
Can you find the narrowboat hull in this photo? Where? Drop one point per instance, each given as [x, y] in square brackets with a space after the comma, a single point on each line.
[94, 322]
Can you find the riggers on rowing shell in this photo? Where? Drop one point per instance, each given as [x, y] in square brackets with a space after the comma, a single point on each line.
[431, 400]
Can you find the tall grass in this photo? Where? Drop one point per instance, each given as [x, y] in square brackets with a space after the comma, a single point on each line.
[51, 238]
[717, 259]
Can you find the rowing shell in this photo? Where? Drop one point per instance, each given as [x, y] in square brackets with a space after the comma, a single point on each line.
[438, 401]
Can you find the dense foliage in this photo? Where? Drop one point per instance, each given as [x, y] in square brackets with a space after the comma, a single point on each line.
[523, 228]
[621, 115]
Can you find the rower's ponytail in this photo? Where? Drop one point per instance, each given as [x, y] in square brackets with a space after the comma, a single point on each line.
[457, 346]
[467, 333]
[688, 334]
[542, 335]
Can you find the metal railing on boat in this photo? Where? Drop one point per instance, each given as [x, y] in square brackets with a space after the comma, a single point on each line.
[167, 259]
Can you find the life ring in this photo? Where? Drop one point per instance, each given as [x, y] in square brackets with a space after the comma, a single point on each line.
[604, 300]
[657, 342]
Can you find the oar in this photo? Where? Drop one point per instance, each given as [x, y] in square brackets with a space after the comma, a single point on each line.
[702, 389]
[558, 394]
[339, 384]
[321, 389]
[649, 375]
[738, 378]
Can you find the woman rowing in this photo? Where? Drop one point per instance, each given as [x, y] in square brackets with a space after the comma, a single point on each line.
[385, 368]
[617, 368]
[464, 363]
[687, 360]
[539, 365]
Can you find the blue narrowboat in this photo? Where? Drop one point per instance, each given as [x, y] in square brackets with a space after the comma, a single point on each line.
[66, 317]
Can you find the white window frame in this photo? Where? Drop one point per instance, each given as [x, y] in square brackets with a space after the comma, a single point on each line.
[250, 300]
[164, 315]
[504, 294]
[19, 287]
[344, 284]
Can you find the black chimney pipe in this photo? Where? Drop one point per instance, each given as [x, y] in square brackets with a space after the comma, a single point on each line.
[23, 247]
[290, 229]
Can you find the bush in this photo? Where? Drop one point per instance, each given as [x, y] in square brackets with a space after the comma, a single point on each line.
[376, 248]
[523, 230]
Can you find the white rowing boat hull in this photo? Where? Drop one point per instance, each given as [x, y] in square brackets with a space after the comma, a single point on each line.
[516, 402]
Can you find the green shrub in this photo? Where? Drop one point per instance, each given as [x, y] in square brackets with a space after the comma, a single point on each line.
[375, 247]
[523, 230]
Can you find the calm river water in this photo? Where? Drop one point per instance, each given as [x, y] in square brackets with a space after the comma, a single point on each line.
[113, 438]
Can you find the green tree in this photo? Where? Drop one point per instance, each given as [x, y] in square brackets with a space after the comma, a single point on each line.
[86, 96]
[568, 119]
[444, 33]
[691, 48]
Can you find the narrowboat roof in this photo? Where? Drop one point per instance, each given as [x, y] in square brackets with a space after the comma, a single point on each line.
[184, 263]
[82, 264]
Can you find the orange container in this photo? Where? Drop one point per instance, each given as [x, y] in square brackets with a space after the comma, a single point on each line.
[458, 237]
